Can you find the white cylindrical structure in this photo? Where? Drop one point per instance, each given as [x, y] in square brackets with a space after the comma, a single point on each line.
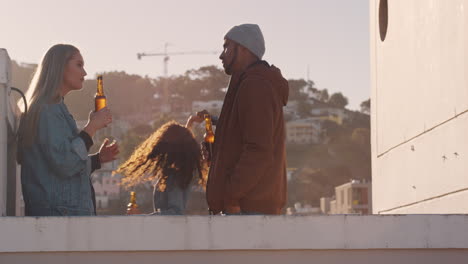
[419, 70]
[5, 69]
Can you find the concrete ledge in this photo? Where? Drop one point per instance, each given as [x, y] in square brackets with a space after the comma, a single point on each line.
[170, 233]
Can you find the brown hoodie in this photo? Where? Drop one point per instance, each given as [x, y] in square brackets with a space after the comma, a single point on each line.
[248, 168]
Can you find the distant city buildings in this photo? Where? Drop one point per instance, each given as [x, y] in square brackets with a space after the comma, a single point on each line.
[354, 197]
[106, 185]
[310, 130]
[213, 107]
[300, 209]
[304, 131]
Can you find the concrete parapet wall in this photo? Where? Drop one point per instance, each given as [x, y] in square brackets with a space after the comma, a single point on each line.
[262, 237]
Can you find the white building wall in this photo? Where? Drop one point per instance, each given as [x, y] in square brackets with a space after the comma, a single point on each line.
[106, 184]
[419, 107]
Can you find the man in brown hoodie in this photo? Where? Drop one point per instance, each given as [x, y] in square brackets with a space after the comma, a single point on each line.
[248, 166]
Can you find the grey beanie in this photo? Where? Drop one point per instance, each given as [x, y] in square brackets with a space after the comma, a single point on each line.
[249, 36]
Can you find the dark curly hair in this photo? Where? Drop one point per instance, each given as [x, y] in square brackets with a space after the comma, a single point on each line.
[171, 151]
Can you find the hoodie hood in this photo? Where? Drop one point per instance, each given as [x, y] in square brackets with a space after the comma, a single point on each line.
[271, 73]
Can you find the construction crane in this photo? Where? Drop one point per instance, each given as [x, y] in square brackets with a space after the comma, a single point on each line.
[166, 55]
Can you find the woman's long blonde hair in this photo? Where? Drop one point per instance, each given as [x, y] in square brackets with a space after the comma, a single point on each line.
[44, 89]
[171, 151]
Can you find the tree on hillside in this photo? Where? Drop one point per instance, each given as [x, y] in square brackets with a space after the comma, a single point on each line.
[182, 86]
[132, 139]
[323, 95]
[139, 133]
[338, 100]
[365, 106]
[206, 83]
[331, 130]
[361, 137]
[312, 90]
[126, 94]
[298, 89]
[303, 108]
[357, 119]
[310, 184]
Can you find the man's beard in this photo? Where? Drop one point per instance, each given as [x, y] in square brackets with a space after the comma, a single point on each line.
[228, 69]
[228, 66]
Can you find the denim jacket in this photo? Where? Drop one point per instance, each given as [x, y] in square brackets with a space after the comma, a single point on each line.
[173, 200]
[55, 172]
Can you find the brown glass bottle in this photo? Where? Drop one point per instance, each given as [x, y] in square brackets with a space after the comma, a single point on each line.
[100, 100]
[132, 207]
[209, 138]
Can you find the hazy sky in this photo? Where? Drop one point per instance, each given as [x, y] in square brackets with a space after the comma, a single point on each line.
[328, 37]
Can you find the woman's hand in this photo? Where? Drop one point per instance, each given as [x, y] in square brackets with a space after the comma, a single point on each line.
[198, 118]
[108, 151]
[98, 120]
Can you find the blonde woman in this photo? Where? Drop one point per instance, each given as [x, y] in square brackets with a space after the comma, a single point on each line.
[55, 165]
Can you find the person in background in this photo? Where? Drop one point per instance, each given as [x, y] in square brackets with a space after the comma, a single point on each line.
[52, 152]
[248, 167]
[170, 159]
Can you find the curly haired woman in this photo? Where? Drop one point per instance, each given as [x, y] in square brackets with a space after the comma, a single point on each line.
[170, 157]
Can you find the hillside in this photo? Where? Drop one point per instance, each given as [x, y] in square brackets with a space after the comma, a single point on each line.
[344, 153]
[320, 168]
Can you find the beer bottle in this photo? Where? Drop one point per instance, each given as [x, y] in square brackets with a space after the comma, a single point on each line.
[132, 207]
[209, 138]
[100, 100]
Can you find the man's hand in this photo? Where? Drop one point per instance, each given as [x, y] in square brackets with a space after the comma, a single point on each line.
[108, 151]
[202, 114]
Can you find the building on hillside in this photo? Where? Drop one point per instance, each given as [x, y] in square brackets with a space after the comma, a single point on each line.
[325, 204]
[319, 109]
[304, 131]
[325, 110]
[303, 209]
[290, 110]
[332, 206]
[106, 185]
[354, 197]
